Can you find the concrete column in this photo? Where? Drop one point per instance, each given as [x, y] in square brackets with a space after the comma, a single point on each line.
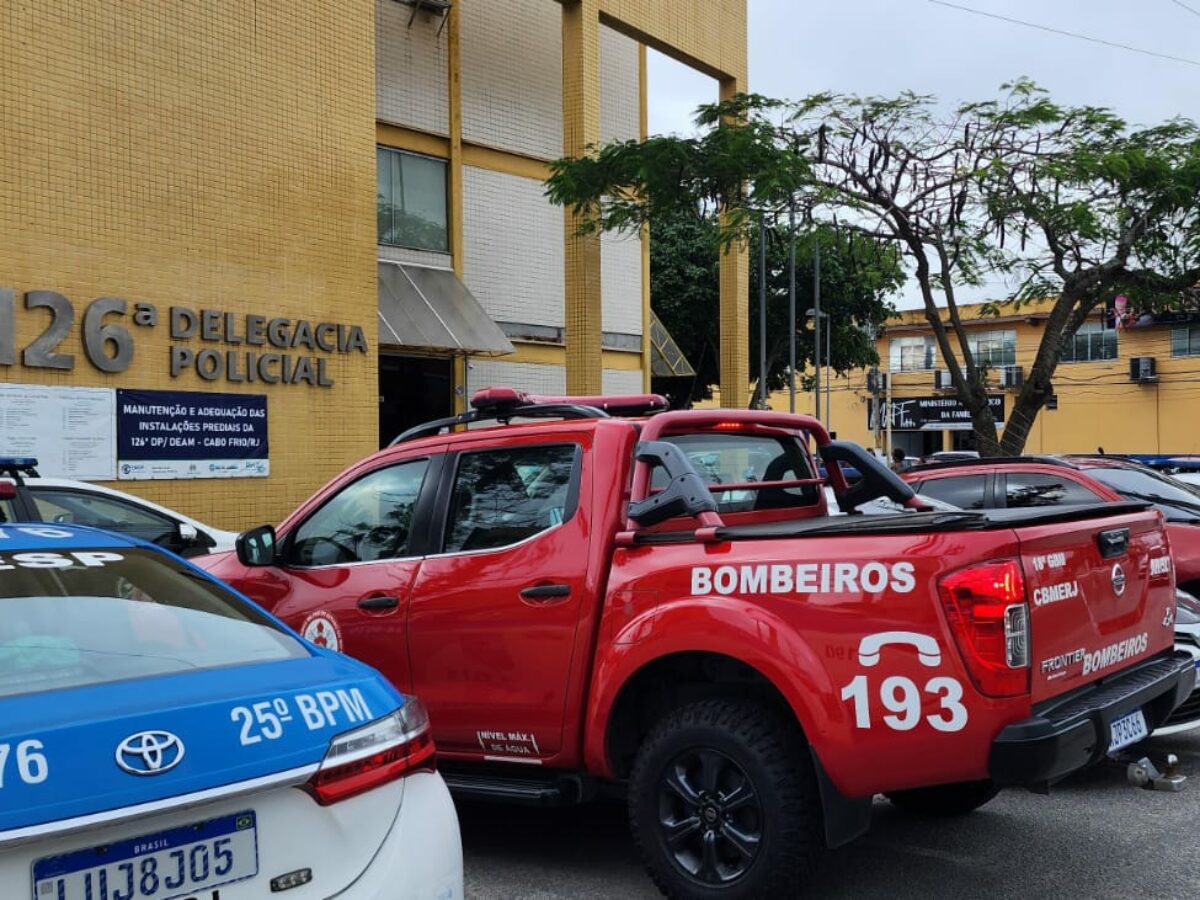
[735, 311]
[455, 172]
[581, 127]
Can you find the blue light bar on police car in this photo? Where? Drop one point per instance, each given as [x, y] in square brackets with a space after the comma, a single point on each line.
[18, 462]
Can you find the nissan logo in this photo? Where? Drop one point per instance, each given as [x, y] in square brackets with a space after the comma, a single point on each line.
[150, 753]
[1118, 579]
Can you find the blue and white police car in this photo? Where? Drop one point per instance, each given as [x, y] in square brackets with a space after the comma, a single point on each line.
[162, 737]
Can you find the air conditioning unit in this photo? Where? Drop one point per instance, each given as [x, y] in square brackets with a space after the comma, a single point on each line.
[1011, 376]
[1143, 369]
[942, 380]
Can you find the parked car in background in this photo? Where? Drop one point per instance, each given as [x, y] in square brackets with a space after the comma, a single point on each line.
[1040, 481]
[27, 497]
[949, 456]
[1187, 638]
[162, 736]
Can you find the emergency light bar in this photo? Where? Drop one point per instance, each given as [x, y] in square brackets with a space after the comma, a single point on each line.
[496, 399]
[16, 466]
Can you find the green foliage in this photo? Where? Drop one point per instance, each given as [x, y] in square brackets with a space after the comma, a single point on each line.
[857, 275]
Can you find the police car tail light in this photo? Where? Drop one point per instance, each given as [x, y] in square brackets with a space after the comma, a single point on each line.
[389, 748]
[986, 609]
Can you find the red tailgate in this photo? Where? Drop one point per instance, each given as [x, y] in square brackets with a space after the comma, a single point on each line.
[1101, 595]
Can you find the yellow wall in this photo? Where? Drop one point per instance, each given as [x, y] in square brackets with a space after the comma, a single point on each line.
[1098, 406]
[199, 155]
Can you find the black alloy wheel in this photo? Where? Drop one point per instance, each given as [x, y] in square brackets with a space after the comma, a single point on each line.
[710, 816]
[723, 802]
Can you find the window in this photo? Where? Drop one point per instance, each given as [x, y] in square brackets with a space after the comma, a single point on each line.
[411, 200]
[964, 491]
[1027, 489]
[731, 458]
[369, 519]
[994, 348]
[1185, 341]
[911, 354]
[102, 615]
[504, 496]
[1174, 499]
[98, 511]
[1092, 343]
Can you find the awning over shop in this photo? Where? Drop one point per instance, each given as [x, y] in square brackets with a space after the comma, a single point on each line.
[421, 308]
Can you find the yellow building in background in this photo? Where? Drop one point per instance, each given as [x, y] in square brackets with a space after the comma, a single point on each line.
[1134, 389]
[242, 244]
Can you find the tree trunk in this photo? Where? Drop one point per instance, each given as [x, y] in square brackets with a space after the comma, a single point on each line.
[1037, 387]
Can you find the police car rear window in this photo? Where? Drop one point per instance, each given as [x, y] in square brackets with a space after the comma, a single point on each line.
[75, 617]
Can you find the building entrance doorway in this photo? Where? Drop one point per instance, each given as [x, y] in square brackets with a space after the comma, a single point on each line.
[412, 390]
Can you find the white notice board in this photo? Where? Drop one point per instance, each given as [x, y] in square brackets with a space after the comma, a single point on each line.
[71, 431]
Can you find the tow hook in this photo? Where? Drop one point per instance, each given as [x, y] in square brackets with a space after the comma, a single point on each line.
[1145, 774]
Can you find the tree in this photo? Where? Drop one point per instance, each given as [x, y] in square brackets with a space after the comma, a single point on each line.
[857, 274]
[1068, 203]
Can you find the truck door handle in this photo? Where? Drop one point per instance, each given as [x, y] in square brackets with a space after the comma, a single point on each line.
[378, 602]
[543, 592]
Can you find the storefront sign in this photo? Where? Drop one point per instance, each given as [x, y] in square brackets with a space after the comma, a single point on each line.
[191, 434]
[293, 351]
[932, 413]
[69, 431]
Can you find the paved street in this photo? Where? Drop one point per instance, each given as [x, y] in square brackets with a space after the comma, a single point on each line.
[1095, 837]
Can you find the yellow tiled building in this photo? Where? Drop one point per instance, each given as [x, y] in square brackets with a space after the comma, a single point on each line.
[1134, 389]
[335, 206]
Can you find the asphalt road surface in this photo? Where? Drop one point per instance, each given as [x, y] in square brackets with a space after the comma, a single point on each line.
[1094, 837]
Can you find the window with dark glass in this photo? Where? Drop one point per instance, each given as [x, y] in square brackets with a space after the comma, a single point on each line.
[411, 200]
[964, 491]
[507, 495]
[1091, 343]
[369, 519]
[84, 508]
[1027, 489]
[1185, 341]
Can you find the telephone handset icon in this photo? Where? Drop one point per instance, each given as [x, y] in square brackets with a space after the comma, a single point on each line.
[926, 646]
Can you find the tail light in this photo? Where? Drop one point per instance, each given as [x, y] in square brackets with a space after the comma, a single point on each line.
[986, 609]
[389, 748]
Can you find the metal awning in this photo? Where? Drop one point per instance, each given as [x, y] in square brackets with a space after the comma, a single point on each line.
[421, 308]
[666, 359]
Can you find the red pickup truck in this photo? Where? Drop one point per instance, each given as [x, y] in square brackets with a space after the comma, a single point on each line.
[661, 603]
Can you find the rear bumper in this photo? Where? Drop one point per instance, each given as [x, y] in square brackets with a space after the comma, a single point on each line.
[1070, 733]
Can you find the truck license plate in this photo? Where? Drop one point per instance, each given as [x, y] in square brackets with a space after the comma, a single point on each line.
[179, 862]
[1129, 729]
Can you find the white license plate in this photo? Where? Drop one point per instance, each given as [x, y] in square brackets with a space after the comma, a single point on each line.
[1129, 729]
[179, 862]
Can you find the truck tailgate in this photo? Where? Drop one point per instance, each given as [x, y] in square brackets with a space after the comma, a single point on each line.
[1101, 595]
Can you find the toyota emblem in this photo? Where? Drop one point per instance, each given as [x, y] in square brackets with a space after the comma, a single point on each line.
[1118, 579]
[150, 753]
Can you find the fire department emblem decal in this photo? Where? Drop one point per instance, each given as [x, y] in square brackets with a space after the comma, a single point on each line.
[321, 629]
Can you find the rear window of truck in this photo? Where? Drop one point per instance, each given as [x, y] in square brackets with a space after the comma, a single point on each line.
[736, 458]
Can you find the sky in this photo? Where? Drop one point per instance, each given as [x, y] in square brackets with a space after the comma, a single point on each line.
[881, 47]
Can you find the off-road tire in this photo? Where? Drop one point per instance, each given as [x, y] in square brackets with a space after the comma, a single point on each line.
[945, 800]
[756, 745]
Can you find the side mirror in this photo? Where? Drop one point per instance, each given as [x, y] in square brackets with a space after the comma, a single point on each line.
[256, 547]
[875, 479]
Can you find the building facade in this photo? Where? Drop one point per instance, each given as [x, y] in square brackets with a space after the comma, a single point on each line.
[1128, 382]
[242, 245]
